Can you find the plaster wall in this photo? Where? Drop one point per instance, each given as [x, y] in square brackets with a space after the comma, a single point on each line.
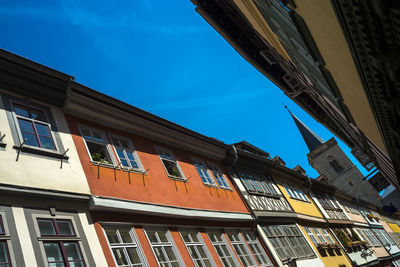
[36, 171]
[154, 186]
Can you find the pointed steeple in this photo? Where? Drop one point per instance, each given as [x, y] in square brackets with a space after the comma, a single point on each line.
[312, 139]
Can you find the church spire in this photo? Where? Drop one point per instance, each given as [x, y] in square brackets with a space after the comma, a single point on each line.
[312, 139]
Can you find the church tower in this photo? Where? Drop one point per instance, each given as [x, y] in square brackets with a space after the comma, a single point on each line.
[329, 160]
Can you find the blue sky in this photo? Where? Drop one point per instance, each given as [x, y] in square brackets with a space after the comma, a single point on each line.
[162, 57]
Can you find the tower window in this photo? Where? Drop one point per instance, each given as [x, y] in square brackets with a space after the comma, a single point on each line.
[335, 164]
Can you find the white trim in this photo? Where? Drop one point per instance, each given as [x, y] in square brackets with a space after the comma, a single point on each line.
[201, 242]
[161, 150]
[106, 143]
[132, 150]
[215, 166]
[208, 171]
[162, 244]
[97, 203]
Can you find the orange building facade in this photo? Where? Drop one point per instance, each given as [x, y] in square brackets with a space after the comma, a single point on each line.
[160, 193]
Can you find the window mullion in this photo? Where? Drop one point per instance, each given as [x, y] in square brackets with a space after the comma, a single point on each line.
[64, 253]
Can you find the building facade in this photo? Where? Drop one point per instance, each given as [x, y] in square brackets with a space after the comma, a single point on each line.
[317, 55]
[44, 216]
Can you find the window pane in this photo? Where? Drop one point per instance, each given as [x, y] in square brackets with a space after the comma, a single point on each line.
[132, 160]
[42, 129]
[56, 264]
[72, 251]
[1, 226]
[21, 111]
[160, 254]
[98, 152]
[53, 252]
[26, 126]
[76, 264]
[37, 115]
[162, 236]
[185, 236]
[112, 236]
[125, 236]
[170, 253]
[46, 227]
[3, 253]
[172, 168]
[46, 142]
[133, 255]
[65, 227]
[152, 236]
[120, 256]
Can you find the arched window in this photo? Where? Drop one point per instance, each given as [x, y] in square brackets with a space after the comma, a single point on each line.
[335, 164]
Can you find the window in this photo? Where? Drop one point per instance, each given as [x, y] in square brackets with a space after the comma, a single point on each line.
[256, 249]
[197, 250]
[384, 237]
[4, 253]
[222, 248]
[257, 183]
[163, 248]
[296, 193]
[33, 127]
[203, 171]
[310, 233]
[371, 237]
[327, 236]
[97, 145]
[60, 251]
[335, 164]
[219, 176]
[126, 153]
[124, 246]
[240, 249]
[288, 241]
[169, 161]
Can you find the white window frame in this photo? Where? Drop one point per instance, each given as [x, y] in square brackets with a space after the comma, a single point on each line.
[206, 170]
[371, 236]
[106, 143]
[196, 244]
[21, 139]
[131, 151]
[122, 245]
[160, 152]
[214, 168]
[312, 236]
[241, 243]
[283, 241]
[225, 243]
[170, 243]
[296, 193]
[327, 236]
[256, 243]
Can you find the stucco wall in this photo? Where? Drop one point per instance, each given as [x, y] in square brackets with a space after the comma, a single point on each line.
[154, 187]
[37, 171]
